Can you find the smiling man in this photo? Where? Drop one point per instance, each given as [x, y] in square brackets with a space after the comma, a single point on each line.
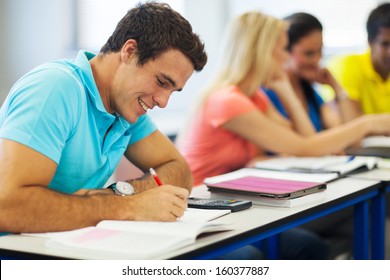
[65, 125]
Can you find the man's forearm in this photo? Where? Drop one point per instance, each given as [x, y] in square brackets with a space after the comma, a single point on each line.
[38, 209]
[175, 172]
[93, 191]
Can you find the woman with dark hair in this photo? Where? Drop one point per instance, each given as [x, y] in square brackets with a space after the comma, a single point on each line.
[304, 70]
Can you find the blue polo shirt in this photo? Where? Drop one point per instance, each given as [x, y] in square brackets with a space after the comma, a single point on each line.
[56, 109]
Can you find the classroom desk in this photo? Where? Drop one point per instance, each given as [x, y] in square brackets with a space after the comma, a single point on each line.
[250, 226]
[378, 211]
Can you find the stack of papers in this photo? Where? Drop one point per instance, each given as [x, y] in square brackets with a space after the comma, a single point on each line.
[378, 146]
[376, 141]
[329, 164]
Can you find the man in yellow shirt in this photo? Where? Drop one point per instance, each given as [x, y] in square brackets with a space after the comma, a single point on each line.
[366, 77]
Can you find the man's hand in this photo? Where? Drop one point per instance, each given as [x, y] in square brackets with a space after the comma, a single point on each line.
[165, 203]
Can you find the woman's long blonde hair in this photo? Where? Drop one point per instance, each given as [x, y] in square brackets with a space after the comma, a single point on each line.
[248, 50]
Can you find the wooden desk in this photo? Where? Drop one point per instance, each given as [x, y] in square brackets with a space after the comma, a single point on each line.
[251, 225]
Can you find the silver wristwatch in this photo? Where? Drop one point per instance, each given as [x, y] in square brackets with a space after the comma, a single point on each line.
[122, 188]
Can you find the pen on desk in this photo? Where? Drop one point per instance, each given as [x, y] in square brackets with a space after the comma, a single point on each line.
[155, 176]
[351, 158]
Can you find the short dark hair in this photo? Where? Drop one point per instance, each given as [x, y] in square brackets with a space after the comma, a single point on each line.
[157, 28]
[378, 18]
[300, 25]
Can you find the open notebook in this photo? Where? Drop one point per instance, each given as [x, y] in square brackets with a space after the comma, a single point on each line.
[249, 181]
[137, 240]
[328, 164]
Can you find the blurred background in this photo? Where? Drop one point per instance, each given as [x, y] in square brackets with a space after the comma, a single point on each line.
[36, 31]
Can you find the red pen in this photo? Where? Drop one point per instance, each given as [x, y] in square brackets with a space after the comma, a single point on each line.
[155, 176]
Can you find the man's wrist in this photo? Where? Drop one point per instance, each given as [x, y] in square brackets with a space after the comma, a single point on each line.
[122, 188]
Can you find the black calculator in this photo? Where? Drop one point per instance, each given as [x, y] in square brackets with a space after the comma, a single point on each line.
[231, 204]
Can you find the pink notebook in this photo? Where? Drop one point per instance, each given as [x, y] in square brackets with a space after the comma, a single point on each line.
[275, 188]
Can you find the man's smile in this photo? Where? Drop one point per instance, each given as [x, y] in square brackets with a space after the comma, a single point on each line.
[143, 105]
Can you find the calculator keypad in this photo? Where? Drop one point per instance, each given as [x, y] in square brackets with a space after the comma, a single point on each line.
[212, 202]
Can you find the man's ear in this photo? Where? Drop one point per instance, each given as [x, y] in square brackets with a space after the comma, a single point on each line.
[128, 50]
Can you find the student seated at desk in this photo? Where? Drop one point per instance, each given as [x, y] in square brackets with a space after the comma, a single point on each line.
[66, 124]
[234, 122]
[304, 71]
[366, 76]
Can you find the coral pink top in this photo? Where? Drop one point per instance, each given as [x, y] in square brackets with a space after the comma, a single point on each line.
[210, 149]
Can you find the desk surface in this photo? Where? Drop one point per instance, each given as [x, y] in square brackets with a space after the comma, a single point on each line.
[374, 174]
[246, 223]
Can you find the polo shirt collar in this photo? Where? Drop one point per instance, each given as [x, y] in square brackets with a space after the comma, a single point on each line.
[369, 68]
[82, 61]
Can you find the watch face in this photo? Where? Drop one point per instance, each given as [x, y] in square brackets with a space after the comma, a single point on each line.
[124, 188]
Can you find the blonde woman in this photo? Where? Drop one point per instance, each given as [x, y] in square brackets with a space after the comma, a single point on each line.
[235, 122]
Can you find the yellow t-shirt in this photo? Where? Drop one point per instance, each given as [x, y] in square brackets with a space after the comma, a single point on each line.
[358, 77]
